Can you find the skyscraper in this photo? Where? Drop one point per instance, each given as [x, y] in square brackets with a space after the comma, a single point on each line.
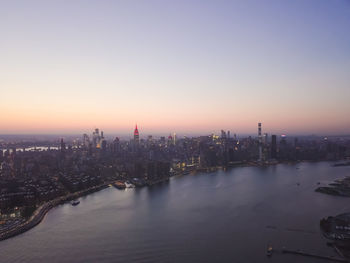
[86, 141]
[260, 142]
[265, 139]
[136, 135]
[170, 139]
[103, 145]
[273, 146]
[116, 145]
[96, 138]
[63, 146]
[223, 134]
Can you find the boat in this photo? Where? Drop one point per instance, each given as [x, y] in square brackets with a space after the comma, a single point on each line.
[129, 185]
[75, 202]
[269, 251]
[119, 185]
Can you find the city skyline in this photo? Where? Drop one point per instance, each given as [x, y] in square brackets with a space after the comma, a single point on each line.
[145, 134]
[174, 131]
[187, 67]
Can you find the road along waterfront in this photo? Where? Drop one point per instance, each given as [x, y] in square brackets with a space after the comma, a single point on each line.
[41, 211]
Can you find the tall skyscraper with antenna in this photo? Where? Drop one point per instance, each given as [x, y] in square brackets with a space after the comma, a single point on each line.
[260, 141]
[136, 135]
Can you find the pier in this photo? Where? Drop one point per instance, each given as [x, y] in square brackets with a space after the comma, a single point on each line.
[302, 253]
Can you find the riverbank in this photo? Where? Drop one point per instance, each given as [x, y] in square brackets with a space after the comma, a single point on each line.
[108, 224]
[339, 188]
[41, 211]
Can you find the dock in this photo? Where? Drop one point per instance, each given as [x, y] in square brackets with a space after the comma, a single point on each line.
[302, 253]
[338, 251]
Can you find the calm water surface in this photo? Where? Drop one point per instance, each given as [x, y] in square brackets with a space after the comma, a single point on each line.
[215, 217]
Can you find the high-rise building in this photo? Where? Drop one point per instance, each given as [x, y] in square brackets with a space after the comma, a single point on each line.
[295, 142]
[265, 139]
[260, 141]
[170, 139]
[273, 146]
[116, 145]
[103, 145]
[162, 140]
[136, 135]
[223, 134]
[283, 142]
[96, 138]
[86, 141]
[63, 147]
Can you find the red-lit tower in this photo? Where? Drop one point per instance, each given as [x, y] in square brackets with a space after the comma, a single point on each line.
[136, 134]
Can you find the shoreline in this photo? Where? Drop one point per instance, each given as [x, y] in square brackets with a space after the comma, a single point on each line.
[43, 209]
[340, 187]
[40, 212]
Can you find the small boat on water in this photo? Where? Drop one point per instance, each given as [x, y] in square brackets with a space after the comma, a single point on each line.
[75, 202]
[119, 185]
[269, 251]
[129, 185]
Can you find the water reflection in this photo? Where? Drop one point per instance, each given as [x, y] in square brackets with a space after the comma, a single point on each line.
[209, 217]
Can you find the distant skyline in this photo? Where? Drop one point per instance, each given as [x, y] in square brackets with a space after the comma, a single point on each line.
[190, 67]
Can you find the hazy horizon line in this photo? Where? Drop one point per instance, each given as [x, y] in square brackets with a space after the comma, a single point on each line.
[193, 134]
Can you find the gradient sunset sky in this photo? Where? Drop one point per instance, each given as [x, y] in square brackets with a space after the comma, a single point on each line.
[183, 66]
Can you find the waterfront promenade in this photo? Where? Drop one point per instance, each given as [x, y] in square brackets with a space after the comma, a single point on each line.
[41, 211]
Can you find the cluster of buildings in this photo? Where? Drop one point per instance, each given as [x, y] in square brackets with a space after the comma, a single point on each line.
[31, 177]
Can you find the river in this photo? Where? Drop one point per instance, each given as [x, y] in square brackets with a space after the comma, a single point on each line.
[207, 217]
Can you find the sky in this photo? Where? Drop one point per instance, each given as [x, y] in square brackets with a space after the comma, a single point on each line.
[191, 67]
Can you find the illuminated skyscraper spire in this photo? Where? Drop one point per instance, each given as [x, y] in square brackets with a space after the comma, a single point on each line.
[136, 134]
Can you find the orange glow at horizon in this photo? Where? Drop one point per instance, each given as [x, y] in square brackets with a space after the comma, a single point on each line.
[211, 67]
[70, 121]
